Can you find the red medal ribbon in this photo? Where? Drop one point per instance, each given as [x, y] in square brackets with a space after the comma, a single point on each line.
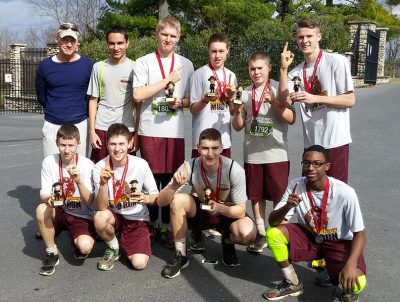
[253, 99]
[207, 182]
[117, 194]
[221, 89]
[314, 207]
[161, 66]
[70, 183]
[312, 79]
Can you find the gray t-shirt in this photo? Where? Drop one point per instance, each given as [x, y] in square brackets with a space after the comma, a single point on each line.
[116, 100]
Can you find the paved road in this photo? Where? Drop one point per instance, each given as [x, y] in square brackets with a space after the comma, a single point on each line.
[374, 173]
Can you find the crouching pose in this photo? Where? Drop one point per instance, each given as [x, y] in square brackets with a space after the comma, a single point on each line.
[330, 225]
[219, 184]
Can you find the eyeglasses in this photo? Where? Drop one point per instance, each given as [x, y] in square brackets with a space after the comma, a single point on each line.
[71, 26]
[315, 164]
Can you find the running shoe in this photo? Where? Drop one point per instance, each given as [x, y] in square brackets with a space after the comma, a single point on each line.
[174, 266]
[229, 257]
[48, 265]
[284, 289]
[197, 243]
[258, 245]
[107, 261]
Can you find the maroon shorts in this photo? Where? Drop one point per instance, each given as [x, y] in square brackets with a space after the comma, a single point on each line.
[98, 154]
[266, 181]
[339, 163]
[135, 235]
[335, 253]
[225, 152]
[164, 155]
[203, 220]
[76, 226]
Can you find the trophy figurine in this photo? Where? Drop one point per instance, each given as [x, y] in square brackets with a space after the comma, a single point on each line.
[296, 83]
[212, 81]
[132, 191]
[238, 99]
[205, 205]
[57, 195]
[169, 92]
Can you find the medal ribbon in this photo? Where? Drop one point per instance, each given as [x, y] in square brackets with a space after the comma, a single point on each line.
[260, 102]
[70, 183]
[207, 182]
[161, 66]
[221, 89]
[312, 79]
[117, 194]
[314, 207]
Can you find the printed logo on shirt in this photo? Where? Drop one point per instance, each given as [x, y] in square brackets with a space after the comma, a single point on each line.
[218, 106]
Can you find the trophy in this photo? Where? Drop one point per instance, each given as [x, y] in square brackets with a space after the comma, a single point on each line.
[205, 205]
[296, 83]
[169, 92]
[57, 195]
[238, 99]
[212, 81]
[132, 191]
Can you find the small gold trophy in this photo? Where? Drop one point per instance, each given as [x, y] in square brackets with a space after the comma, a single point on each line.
[296, 83]
[57, 195]
[169, 92]
[132, 191]
[212, 81]
[238, 99]
[205, 205]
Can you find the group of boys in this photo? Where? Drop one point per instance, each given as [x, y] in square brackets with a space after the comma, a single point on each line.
[128, 110]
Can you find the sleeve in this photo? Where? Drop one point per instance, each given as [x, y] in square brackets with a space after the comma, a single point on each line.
[141, 73]
[342, 71]
[238, 184]
[196, 87]
[41, 88]
[353, 212]
[46, 179]
[94, 82]
[149, 184]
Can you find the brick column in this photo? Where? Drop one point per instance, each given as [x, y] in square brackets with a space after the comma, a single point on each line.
[381, 56]
[16, 69]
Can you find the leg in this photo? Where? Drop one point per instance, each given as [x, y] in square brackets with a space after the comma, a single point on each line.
[339, 163]
[45, 216]
[243, 231]
[139, 261]
[84, 243]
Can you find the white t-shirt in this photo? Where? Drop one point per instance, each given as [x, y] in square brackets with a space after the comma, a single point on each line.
[215, 114]
[138, 169]
[116, 101]
[233, 181]
[269, 146]
[156, 119]
[50, 174]
[324, 125]
[343, 210]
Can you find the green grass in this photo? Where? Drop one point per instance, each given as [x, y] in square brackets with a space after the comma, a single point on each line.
[394, 80]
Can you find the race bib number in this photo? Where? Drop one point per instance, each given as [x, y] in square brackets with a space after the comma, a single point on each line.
[159, 106]
[73, 203]
[261, 127]
[218, 106]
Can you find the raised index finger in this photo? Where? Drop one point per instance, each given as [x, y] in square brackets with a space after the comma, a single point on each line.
[295, 189]
[285, 47]
[185, 168]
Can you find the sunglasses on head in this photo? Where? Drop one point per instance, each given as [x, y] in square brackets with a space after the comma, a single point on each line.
[71, 26]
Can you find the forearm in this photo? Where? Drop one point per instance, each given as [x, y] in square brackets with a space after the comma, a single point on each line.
[85, 194]
[93, 103]
[286, 114]
[235, 212]
[186, 102]
[283, 89]
[145, 92]
[102, 198]
[346, 100]
[197, 107]
[152, 199]
[166, 195]
[237, 121]
[277, 216]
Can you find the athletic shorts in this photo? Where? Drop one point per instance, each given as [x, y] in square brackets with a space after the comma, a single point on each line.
[164, 155]
[135, 235]
[98, 154]
[303, 248]
[339, 163]
[225, 152]
[203, 220]
[266, 181]
[76, 226]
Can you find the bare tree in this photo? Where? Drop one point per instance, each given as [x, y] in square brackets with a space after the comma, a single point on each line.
[392, 56]
[7, 37]
[83, 13]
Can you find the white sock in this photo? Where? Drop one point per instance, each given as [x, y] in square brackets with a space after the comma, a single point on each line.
[290, 274]
[260, 226]
[180, 245]
[53, 250]
[113, 243]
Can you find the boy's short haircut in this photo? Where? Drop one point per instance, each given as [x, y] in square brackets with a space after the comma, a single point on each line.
[68, 131]
[320, 149]
[169, 21]
[219, 37]
[308, 23]
[210, 134]
[117, 29]
[260, 55]
[118, 129]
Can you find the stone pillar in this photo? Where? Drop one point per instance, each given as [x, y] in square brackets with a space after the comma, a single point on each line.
[381, 56]
[51, 48]
[16, 69]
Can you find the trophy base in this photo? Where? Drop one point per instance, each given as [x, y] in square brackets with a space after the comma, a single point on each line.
[238, 102]
[170, 100]
[206, 207]
[211, 94]
[58, 203]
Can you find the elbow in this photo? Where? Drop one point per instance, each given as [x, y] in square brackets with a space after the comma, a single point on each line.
[137, 96]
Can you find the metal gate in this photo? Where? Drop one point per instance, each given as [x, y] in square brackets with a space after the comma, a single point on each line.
[17, 84]
[371, 62]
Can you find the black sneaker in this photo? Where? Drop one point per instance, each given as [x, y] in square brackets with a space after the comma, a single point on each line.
[174, 266]
[78, 255]
[229, 257]
[197, 242]
[258, 245]
[48, 264]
